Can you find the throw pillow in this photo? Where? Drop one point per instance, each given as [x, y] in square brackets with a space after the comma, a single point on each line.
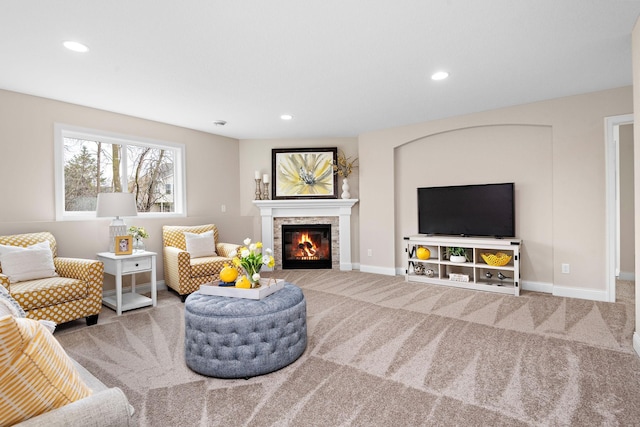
[36, 375]
[32, 262]
[200, 245]
[8, 305]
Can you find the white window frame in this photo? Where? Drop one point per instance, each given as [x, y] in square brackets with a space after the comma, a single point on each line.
[62, 131]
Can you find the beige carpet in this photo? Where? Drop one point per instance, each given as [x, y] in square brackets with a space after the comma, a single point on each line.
[383, 352]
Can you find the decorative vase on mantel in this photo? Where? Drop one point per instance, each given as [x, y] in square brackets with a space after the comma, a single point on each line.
[345, 189]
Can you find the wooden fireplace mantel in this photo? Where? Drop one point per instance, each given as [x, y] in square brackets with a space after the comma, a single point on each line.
[312, 208]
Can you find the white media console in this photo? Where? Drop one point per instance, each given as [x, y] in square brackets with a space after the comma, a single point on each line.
[475, 273]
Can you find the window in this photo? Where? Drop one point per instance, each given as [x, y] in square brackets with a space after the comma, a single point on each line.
[89, 162]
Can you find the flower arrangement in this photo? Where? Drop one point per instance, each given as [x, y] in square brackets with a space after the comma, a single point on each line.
[251, 259]
[344, 165]
[138, 233]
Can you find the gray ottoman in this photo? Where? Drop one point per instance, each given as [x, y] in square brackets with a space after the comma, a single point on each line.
[241, 338]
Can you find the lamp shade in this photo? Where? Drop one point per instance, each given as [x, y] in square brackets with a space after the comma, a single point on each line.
[116, 205]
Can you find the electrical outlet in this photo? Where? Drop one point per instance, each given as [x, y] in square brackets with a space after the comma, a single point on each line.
[566, 269]
[369, 252]
[223, 208]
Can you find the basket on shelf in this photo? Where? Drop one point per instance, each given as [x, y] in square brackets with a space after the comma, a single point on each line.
[498, 259]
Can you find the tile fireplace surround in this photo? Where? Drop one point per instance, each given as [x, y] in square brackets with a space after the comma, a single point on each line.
[312, 209]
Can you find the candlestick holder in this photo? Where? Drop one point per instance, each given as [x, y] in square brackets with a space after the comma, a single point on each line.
[265, 194]
[258, 189]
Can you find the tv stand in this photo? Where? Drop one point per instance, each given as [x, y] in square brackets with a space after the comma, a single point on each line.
[475, 273]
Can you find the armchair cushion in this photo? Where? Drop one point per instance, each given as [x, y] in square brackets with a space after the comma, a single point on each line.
[48, 292]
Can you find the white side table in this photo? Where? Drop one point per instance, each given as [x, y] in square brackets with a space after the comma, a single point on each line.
[119, 265]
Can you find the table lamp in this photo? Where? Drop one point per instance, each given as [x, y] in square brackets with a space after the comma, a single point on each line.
[116, 205]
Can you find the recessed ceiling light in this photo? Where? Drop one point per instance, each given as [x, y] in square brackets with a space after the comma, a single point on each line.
[75, 46]
[286, 117]
[220, 122]
[440, 75]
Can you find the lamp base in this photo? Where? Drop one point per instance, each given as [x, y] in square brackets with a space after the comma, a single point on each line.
[116, 228]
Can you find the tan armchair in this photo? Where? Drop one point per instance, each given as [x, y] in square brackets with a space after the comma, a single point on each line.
[74, 293]
[185, 274]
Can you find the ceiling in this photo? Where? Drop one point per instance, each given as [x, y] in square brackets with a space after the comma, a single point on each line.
[340, 67]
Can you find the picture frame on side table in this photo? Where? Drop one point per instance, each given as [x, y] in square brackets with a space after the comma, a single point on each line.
[124, 245]
[304, 173]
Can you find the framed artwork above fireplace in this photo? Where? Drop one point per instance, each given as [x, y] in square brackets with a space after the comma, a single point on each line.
[305, 173]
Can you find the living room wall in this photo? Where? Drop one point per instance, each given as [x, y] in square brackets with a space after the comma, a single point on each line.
[27, 173]
[571, 224]
[489, 153]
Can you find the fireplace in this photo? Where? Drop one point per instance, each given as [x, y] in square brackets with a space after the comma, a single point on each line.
[337, 212]
[306, 246]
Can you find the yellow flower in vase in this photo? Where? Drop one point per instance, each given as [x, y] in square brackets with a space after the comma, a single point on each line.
[251, 259]
[344, 165]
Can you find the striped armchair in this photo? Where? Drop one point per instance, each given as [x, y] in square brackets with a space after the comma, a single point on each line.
[74, 293]
[183, 273]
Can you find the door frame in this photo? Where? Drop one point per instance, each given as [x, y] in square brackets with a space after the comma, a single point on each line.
[612, 199]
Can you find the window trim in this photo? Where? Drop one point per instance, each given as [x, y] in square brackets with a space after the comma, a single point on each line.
[62, 130]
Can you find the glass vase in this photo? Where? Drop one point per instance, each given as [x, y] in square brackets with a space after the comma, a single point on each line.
[250, 272]
[138, 245]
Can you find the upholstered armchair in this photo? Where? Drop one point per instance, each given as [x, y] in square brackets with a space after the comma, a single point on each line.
[193, 259]
[70, 291]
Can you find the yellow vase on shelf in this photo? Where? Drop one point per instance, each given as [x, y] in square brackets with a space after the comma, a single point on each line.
[423, 253]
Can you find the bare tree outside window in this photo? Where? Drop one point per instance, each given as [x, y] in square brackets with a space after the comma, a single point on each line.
[92, 167]
[149, 171]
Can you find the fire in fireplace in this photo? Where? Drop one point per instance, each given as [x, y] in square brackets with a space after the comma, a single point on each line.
[306, 246]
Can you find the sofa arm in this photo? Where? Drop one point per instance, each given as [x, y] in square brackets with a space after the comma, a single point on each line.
[177, 265]
[225, 249]
[88, 270]
[106, 408]
[77, 268]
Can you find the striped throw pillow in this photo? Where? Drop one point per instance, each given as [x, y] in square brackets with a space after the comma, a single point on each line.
[36, 375]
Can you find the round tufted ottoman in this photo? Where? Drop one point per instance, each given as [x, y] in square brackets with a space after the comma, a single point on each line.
[241, 338]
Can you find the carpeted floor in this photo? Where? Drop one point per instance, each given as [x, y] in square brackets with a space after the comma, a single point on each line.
[383, 352]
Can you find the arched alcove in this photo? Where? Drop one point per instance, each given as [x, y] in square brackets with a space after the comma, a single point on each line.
[485, 154]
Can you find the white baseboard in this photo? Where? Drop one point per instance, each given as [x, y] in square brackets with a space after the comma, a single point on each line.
[378, 270]
[544, 287]
[589, 294]
[563, 291]
[627, 275]
[636, 342]
[141, 288]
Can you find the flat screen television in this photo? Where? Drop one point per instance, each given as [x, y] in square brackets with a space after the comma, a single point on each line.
[467, 210]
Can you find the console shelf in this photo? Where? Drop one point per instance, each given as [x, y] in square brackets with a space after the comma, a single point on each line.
[475, 273]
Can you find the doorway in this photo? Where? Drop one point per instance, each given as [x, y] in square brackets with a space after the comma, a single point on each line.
[619, 201]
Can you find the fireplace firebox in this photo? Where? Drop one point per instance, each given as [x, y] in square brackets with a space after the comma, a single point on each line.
[306, 246]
